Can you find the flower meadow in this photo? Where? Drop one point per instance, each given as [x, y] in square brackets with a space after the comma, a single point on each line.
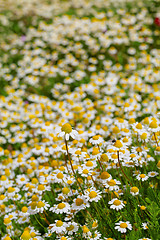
[80, 120]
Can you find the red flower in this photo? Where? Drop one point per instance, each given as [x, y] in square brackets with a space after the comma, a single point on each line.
[157, 21]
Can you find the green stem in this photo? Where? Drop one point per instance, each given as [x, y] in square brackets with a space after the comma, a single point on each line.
[122, 169]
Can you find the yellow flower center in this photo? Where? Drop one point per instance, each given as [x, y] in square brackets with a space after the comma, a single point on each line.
[89, 164]
[111, 182]
[22, 179]
[144, 136]
[95, 151]
[24, 209]
[142, 175]
[125, 139]
[134, 189]
[10, 189]
[85, 229]
[94, 224]
[142, 207]
[152, 174]
[7, 220]
[153, 124]
[85, 171]
[118, 144]
[158, 149]
[38, 147]
[105, 175]
[2, 197]
[139, 126]
[40, 204]
[158, 164]
[123, 225]
[63, 238]
[33, 234]
[95, 137]
[65, 190]
[104, 158]
[26, 235]
[146, 120]
[3, 178]
[114, 156]
[116, 130]
[69, 181]
[34, 180]
[117, 202]
[7, 238]
[61, 205]
[59, 223]
[93, 194]
[79, 201]
[33, 205]
[131, 120]
[66, 128]
[41, 187]
[78, 152]
[70, 228]
[60, 175]
[126, 105]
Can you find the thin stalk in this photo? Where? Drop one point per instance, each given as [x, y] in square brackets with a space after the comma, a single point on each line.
[72, 166]
[122, 168]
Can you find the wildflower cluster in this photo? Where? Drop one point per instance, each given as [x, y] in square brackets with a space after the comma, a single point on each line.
[79, 120]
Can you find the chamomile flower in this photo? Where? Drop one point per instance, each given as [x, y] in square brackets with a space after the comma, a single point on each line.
[79, 203]
[93, 195]
[152, 174]
[116, 204]
[142, 177]
[67, 131]
[96, 140]
[58, 227]
[112, 184]
[41, 206]
[134, 191]
[60, 208]
[145, 225]
[72, 227]
[123, 226]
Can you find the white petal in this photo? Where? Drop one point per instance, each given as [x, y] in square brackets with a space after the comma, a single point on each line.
[67, 136]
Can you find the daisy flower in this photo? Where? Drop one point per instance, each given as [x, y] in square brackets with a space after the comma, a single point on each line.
[145, 226]
[66, 131]
[71, 228]
[112, 184]
[42, 205]
[58, 227]
[89, 165]
[152, 174]
[95, 140]
[142, 177]
[93, 195]
[80, 203]
[96, 235]
[60, 208]
[154, 126]
[116, 204]
[134, 191]
[84, 172]
[123, 226]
